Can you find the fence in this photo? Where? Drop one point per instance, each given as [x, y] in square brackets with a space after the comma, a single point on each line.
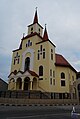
[34, 95]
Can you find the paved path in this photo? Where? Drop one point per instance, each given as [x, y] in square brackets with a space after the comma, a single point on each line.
[37, 112]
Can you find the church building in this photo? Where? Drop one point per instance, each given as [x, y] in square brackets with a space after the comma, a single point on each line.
[35, 65]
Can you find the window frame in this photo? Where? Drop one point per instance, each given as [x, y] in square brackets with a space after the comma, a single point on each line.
[40, 70]
[63, 83]
[62, 75]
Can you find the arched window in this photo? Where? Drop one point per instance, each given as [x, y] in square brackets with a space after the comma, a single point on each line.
[62, 75]
[27, 83]
[41, 71]
[11, 80]
[27, 64]
[19, 83]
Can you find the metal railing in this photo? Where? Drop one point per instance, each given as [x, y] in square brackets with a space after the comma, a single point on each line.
[33, 95]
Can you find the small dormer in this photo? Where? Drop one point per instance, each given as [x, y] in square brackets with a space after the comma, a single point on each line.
[35, 27]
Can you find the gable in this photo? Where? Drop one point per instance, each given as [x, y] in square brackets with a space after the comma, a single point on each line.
[61, 61]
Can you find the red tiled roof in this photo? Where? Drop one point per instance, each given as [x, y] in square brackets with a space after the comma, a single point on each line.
[61, 61]
[45, 36]
[35, 18]
[31, 72]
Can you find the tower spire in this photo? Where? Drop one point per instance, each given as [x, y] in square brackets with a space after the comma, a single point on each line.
[45, 36]
[35, 17]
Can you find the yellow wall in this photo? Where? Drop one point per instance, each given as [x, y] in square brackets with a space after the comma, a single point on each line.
[68, 79]
[47, 63]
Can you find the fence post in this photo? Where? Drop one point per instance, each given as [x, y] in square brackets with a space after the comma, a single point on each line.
[51, 95]
[16, 94]
[10, 94]
[40, 95]
[4, 94]
[29, 95]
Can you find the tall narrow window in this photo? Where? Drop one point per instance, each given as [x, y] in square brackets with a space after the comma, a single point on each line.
[27, 64]
[62, 82]
[14, 61]
[50, 81]
[39, 31]
[51, 54]
[62, 75]
[50, 72]
[31, 30]
[41, 48]
[29, 43]
[53, 81]
[41, 71]
[18, 61]
[53, 73]
[38, 56]
[43, 55]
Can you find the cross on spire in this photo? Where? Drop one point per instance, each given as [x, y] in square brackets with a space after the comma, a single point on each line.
[36, 8]
[45, 25]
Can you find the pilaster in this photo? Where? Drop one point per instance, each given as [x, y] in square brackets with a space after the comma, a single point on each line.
[22, 83]
[15, 84]
[31, 83]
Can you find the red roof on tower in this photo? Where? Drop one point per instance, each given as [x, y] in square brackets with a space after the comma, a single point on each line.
[35, 18]
[45, 36]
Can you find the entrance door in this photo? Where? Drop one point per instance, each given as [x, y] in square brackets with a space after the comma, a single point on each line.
[26, 83]
[25, 86]
[19, 84]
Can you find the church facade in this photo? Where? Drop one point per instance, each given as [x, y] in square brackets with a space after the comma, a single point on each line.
[36, 66]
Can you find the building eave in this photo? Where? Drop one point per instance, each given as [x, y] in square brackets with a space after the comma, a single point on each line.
[31, 35]
[35, 23]
[63, 65]
[3, 81]
[61, 61]
[32, 73]
[46, 41]
[17, 50]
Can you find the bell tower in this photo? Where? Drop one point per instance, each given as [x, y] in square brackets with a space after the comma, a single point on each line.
[35, 27]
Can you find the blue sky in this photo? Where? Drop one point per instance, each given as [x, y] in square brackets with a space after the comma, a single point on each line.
[63, 24]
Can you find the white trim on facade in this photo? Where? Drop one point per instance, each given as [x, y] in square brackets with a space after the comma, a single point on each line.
[31, 51]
